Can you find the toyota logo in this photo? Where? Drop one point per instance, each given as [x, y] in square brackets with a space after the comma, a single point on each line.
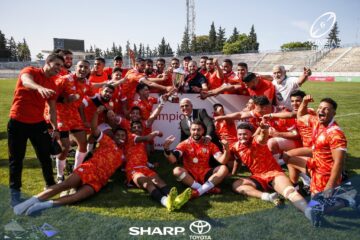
[200, 227]
[322, 25]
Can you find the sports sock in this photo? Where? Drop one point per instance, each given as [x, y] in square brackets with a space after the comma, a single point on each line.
[163, 201]
[305, 178]
[165, 190]
[60, 166]
[22, 207]
[195, 185]
[39, 206]
[265, 196]
[79, 158]
[205, 187]
[89, 147]
[156, 194]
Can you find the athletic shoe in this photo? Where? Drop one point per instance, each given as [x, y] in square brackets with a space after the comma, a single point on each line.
[348, 197]
[15, 197]
[60, 179]
[214, 190]
[194, 193]
[22, 207]
[314, 212]
[183, 198]
[171, 198]
[64, 193]
[276, 199]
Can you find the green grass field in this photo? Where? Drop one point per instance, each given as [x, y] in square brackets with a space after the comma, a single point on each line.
[109, 214]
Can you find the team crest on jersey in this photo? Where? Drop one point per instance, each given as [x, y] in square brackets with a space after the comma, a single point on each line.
[204, 150]
[321, 138]
[84, 90]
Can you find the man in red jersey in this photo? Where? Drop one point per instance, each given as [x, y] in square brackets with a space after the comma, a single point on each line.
[34, 88]
[118, 63]
[196, 152]
[138, 172]
[258, 86]
[267, 175]
[97, 74]
[71, 120]
[88, 178]
[202, 65]
[68, 60]
[213, 74]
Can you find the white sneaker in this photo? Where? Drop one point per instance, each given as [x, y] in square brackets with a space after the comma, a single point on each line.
[348, 196]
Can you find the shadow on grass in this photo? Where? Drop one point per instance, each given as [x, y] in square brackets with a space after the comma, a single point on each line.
[3, 135]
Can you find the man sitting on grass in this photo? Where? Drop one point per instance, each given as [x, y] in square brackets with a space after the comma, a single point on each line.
[88, 178]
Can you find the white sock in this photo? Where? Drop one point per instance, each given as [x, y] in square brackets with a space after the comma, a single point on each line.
[265, 196]
[195, 185]
[205, 187]
[60, 166]
[89, 147]
[39, 206]
[22, 207]
[79, 158]
[163, 200]
[305, 178]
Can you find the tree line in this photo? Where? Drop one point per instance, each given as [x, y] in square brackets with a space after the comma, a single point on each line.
[12, 51]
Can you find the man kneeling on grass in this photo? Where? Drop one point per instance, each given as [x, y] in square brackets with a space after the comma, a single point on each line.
[267, 175]
[137, 170]
[88, 178]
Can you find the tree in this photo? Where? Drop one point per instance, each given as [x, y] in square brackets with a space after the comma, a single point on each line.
[185, 43]
[333, 40]
[98, 52]
[4, 51]
[119, 51]
[253, 44]
[297, 45]
[234, 36]
[169, 51]
[23, 51]
[220, 39]
[162, 47]
[40, 56]
[203, 43]
[212, 38]
[193, 44]
[114, 50]
[147, 51]
[135, 50]
[13, 49]
[239, 46]
[127, 48]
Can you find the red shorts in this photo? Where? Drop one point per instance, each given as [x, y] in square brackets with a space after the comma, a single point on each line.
[200, 175]
[89, 176]
[130, 172]
[68, 120]
[318, 180]
[265, 179]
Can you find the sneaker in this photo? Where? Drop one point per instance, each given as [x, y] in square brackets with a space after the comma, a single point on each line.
[314, 212]
[348, 197]
[194, 194]
[214, 190]
[15, 197]
[60, 179]
[183, 198]
[65, 193]
[171, 198]
[276, 199]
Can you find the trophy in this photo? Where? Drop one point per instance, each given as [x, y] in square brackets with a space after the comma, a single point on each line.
[178, 79]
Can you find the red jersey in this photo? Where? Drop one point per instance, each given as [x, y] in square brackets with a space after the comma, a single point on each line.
[135, 153]
[91, 105]
[226, 130]
[146, 106]
[64, 71]
[196, 155]
[213, 80]
[106, 158]
[118, 98]
[108, 71]
[94, 78]
[133, 78]
[257, 157]
[232, 79]
[28, 105]
[263, 88]
[305, 130]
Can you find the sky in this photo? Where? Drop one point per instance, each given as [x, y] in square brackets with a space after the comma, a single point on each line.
[101, 23]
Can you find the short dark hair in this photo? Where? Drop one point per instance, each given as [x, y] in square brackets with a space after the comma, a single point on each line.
[204, 57]
[118, 128]
[199, 122]
[160, 60]
[210, 59]
[53, 56]
[108, 86]
[298, 93]
[149, 60]
[330, 101]
[189, 58]
[100, 59]
[118, 57]
[227, 60]
[217, 105]
[249, 77]
[261, 101]
[117, 69]
[242, 64]
[135, 108]
[138, 60]
[140, 87]
[246, 125]
[175, 59]
[85, 61]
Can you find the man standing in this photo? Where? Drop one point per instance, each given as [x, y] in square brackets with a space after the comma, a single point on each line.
[194, 82]
[35, 86]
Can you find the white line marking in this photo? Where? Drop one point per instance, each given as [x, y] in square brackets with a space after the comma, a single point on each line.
[345, 115]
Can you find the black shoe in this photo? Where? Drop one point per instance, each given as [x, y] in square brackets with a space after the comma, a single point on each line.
[15, 198]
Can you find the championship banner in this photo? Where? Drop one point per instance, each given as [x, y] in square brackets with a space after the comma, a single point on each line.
[169, 120]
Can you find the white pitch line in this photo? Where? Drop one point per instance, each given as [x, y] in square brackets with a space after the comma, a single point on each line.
[346, 115]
